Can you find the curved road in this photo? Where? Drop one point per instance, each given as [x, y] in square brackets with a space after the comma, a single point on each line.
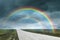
[23, 35]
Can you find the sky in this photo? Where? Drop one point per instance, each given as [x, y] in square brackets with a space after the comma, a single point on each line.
[51, 7]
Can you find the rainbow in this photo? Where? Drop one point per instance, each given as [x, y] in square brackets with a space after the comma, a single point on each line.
[37, 10]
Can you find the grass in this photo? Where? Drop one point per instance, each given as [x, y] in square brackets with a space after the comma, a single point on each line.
[8, 34]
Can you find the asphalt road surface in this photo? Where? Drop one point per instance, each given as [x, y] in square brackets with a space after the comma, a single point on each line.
[23, 35]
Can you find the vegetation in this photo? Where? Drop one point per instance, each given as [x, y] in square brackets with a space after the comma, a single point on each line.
[6, 34]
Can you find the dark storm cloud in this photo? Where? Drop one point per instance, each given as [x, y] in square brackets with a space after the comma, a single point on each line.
[8, 5]
[53, 5]
[50, 6]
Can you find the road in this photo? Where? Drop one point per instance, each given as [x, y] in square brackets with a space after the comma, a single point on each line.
[23, 35]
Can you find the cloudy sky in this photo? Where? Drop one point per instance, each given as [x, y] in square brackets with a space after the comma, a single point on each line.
[51, 7]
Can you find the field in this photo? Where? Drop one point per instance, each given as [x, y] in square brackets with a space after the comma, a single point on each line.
[6, 34]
